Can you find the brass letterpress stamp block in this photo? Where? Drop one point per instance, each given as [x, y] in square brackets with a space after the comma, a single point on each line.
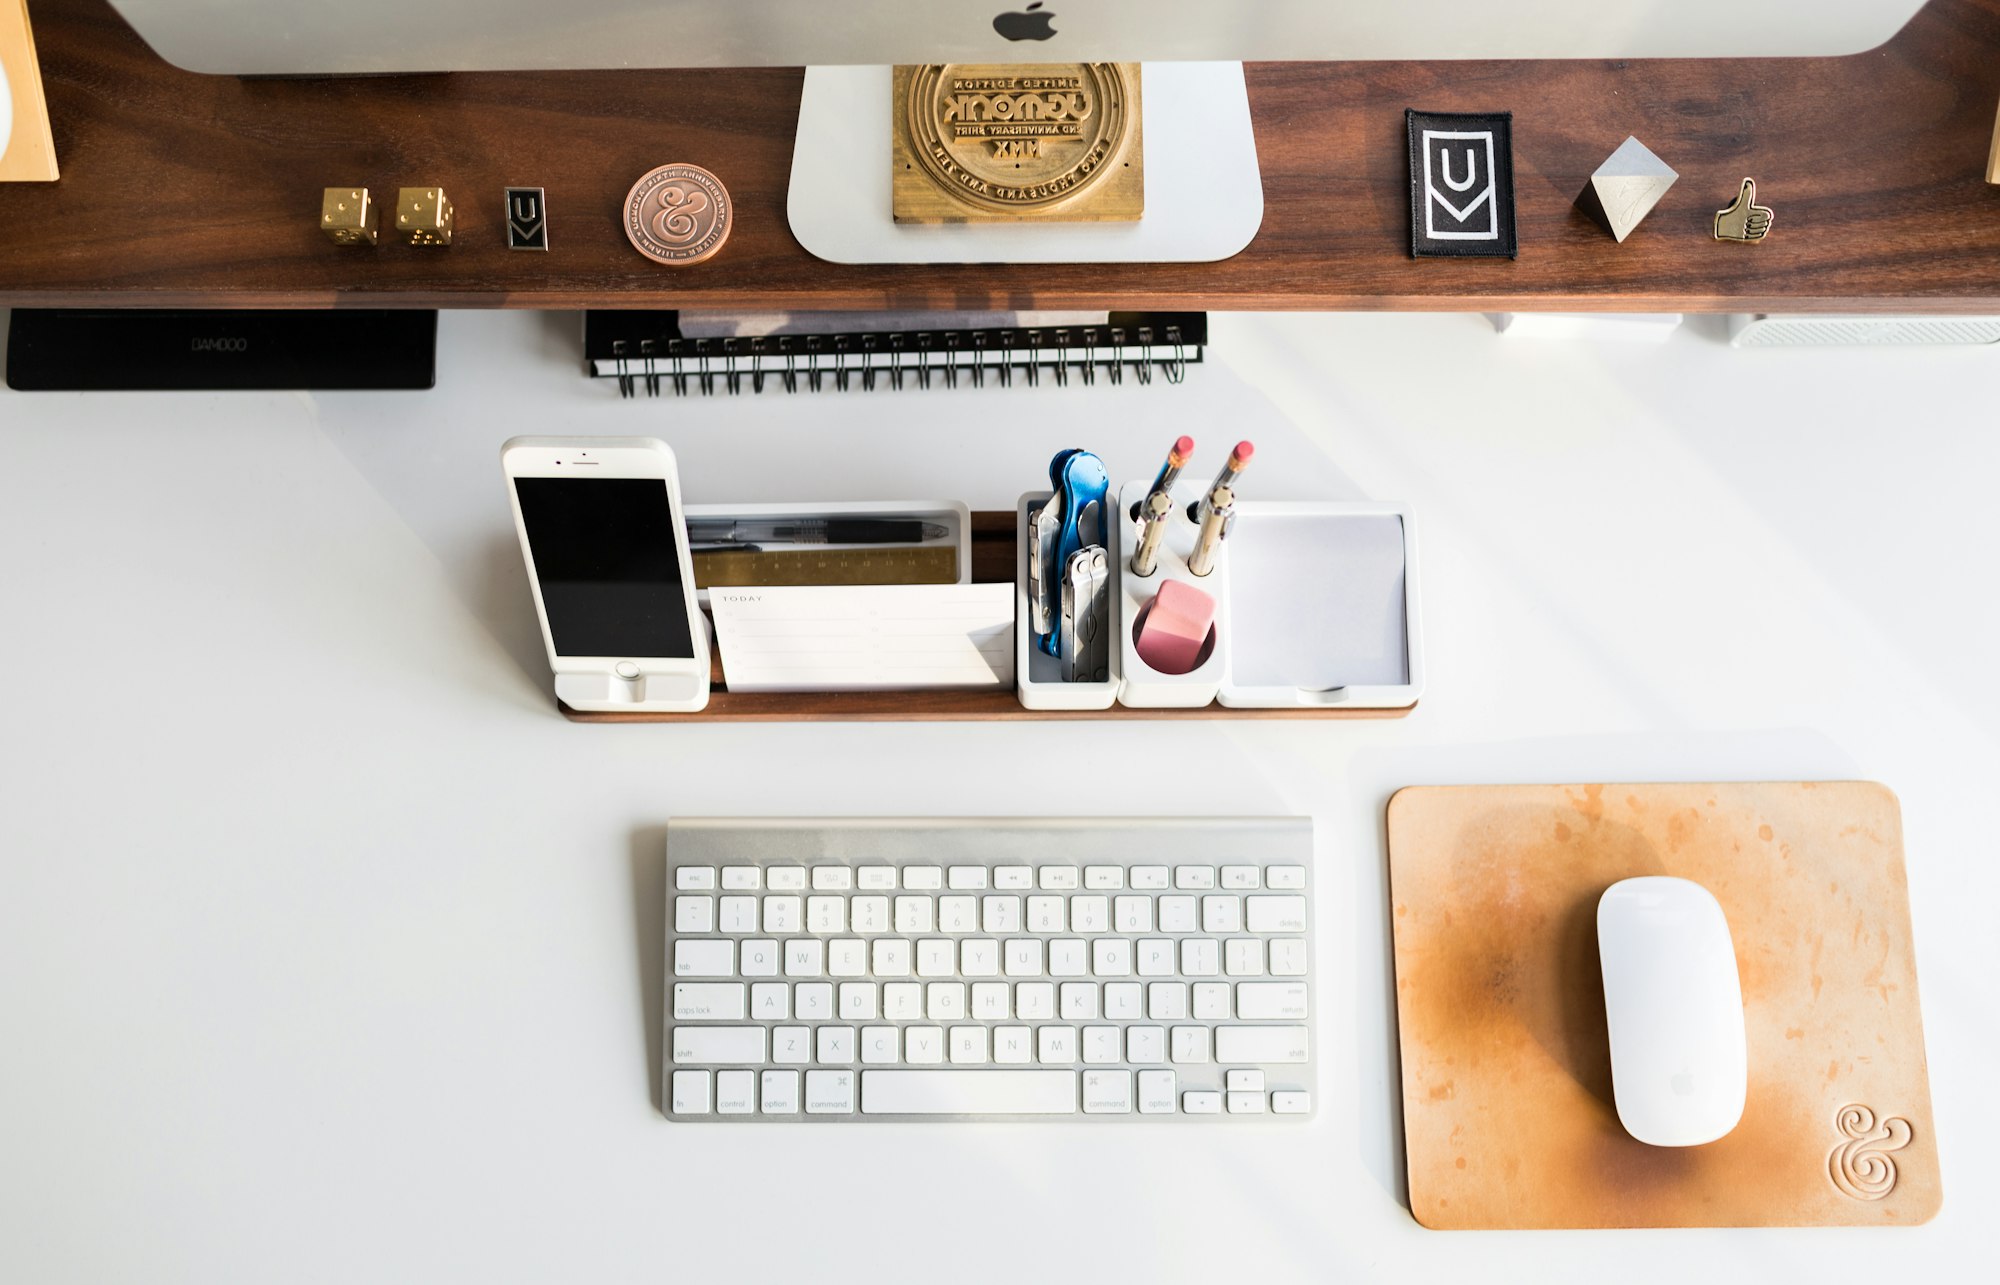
[423, 215]
[347, 216]
[1010, 143]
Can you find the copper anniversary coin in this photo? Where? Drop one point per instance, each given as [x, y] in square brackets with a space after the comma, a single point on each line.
[678, 214]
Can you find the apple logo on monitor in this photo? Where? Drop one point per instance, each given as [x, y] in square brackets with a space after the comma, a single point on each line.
[1030, 25]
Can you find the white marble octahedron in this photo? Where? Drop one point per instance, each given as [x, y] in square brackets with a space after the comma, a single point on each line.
[1626, 187]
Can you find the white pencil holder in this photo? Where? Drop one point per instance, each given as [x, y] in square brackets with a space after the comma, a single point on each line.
[1145, 687]
[1037, 675]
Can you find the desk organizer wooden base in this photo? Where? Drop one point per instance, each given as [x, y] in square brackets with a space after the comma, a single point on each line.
[993, 560]
[1507, 1101]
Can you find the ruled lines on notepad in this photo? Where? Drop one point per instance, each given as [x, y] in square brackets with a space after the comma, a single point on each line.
[865, 638]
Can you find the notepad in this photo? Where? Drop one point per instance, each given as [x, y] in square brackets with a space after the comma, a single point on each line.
[830, 638]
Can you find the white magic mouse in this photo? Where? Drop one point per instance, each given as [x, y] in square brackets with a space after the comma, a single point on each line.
[1674, 1004]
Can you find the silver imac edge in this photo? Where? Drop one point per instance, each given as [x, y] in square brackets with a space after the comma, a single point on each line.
[359, 37]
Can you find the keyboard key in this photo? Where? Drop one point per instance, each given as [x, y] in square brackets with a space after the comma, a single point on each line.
[936, 957]
[1288, 958]
[1177, 914]
[760, 958]
[891, 957]
[857, 1001]
[903, 1001]
[979, 957]
[727, 1045]
[813, 1001]
[1089, 914]
[1111, 957]
[1023, 957]
[781, 1092]
[1079, 1001]
[989, 1001]
[1016, 878]
[913, 915]
[770, 1001]
[1064, 878]
[846, 957]
[1211, 1001]
[968, 1093]
[1275, 914]
[739, 914]
[694, 878]
[1104, 876]
[870, 914]
[958, 914]
[710, 1002]
[1247, 1081]
[739, 878]
[691, 1092]
[1265, 1044]
[1189, 1043]
[792, 1044]
[1291, 1102]
[923, 1045]
[1246, 1104]
[1067, 958]
[783, 914]
[1149, 878]
[1013, 1045]
[881, 1044]
[1107, 1092]
[826, 914]
[1035, 1001]
[1240, 877]
[967, 877]
[694, 914]
[1132, 914]
[1221, 913]
[1045, 914]
[1284, 876]
[968, 1045]
[1243, 957]
[735, 1092]
[1156, 957]
[1167, 1001]
[1056, 1044]
[804, 957]
[829, 1092]
[1201, 1102]
[1194, 877]
[1124, 1001]
[1156, 1092]
[832, 878]
[786, 878]
[1200, 957]
[923, 878]
[1268, 1001]
[836, 1044]
[704, 958]
[1102, 1044]
[945, 1001]
[875, 878]
[1000, 914]
[1145, 1044]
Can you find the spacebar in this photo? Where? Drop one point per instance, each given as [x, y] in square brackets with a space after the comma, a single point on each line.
[968, 1093]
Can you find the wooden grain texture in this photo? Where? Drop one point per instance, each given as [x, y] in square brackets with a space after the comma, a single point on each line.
[1507, 1097]
[187, 190]
[992, 563]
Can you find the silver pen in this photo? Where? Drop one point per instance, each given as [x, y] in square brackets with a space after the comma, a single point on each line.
[1159, 502]
[1217, 512]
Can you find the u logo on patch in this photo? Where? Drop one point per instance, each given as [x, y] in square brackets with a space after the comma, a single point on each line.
[1459, 199]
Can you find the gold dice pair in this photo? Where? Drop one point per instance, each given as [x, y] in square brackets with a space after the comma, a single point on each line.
[348, 217]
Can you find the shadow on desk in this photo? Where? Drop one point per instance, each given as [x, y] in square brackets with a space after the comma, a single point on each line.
[649, 940]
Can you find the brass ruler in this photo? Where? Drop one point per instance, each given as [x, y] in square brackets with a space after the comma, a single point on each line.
[912, 564]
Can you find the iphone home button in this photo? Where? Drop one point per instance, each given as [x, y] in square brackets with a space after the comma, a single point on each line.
[626, 669]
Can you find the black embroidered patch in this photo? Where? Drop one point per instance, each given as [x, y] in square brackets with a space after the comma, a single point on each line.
[1461, 184]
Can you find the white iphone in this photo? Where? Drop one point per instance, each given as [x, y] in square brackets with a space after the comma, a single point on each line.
[603, 532]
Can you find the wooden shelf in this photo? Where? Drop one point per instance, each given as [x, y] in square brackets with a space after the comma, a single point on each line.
[992, 562]
[199, 191]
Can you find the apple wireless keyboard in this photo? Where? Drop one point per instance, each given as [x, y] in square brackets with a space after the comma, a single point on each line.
[980, 968]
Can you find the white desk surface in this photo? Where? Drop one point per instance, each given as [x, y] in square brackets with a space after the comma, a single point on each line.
[328, 952]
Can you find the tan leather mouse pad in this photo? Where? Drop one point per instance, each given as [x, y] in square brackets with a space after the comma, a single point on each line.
[1507, 1100]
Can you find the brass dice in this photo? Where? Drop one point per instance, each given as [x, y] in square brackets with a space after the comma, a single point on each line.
[347, 216]
[423, 215]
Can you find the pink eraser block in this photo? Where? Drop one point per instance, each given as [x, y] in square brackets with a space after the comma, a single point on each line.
[1176, 625]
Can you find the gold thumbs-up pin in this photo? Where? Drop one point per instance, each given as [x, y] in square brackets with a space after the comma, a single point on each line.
[1744, 219]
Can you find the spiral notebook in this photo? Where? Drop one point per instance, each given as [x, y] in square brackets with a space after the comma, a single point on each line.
[708, 354]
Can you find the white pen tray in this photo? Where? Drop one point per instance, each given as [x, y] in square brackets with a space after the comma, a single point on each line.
[950, 514]
[1322, 606]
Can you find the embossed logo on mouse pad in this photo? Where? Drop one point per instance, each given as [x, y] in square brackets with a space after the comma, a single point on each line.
[1860, 1166]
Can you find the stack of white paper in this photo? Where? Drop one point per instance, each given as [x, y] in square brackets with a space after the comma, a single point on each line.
[865, 638]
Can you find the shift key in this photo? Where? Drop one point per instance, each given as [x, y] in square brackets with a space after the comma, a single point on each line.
[724, 1045]
[1250, 1044]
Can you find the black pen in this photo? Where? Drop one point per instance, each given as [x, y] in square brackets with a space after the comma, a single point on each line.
[814, 531]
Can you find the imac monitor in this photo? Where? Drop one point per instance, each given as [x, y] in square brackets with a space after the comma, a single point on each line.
[354, 37]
